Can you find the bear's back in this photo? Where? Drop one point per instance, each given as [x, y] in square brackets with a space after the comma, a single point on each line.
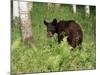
[70, 24]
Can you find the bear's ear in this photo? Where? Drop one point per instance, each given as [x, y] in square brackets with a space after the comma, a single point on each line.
[54, 22]
[46, 23]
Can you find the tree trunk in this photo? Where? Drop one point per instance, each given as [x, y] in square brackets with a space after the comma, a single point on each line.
[49, 5]
[26, 25]
[87, 10]
[57, 6]
[74, 8]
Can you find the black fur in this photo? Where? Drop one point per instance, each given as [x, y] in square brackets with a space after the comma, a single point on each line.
[69, 28]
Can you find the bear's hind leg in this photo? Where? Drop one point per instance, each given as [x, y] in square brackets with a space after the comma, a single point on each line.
[72, 41]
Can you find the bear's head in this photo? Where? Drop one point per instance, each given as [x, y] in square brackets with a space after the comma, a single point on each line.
[51, 27]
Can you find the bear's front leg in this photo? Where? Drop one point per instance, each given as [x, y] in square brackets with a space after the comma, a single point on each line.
[60, 38]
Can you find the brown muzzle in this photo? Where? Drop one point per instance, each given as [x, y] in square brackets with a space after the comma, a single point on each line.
[50, 34]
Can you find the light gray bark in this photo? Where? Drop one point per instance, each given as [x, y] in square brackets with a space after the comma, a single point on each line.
[87, 10]
[26, 25]
[74, 8]
[49, 5]
[57, 6]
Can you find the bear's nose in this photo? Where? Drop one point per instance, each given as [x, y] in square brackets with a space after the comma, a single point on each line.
[49, 34]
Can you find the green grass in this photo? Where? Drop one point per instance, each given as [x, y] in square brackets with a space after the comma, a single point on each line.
[46, 55]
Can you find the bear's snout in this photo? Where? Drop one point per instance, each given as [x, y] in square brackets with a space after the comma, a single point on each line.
[50, 34]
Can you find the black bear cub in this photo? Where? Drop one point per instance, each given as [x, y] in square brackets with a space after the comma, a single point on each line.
[69, 28]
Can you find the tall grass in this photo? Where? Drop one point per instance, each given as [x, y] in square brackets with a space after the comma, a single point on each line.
[46, 55]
